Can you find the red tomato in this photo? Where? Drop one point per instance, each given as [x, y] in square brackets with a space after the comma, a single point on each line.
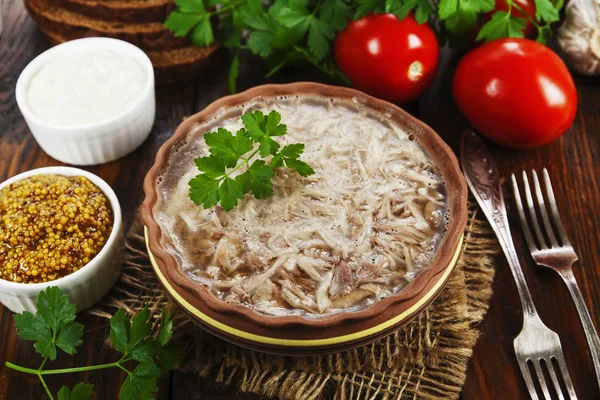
[391, 59]
[528, 6]
[516, 92]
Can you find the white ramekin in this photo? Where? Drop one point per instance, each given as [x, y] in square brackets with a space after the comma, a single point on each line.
[98, 142]
[88, 284]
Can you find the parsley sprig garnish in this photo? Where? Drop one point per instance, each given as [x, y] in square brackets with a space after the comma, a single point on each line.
[230, 154]
[53, 328]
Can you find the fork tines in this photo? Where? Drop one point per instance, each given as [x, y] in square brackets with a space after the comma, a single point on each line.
[555, 231]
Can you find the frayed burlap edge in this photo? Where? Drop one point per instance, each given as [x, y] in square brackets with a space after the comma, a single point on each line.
[427, 359]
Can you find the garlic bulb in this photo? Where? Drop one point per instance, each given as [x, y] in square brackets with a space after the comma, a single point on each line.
[579, 36]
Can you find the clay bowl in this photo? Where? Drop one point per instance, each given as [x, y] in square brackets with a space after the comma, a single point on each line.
[297, 335]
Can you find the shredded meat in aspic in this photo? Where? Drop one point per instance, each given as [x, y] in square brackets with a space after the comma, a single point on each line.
[358, 230]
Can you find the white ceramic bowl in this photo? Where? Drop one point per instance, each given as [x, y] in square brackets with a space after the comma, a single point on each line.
[88, 284]
[98, 142]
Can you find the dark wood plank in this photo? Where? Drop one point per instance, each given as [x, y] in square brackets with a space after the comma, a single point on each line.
[575, 170]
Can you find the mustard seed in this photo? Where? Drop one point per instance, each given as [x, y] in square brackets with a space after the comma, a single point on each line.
[51, 226]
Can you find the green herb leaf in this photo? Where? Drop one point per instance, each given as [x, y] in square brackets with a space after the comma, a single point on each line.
[423, 9]
[227, 147]
[260, 126]
[55, 309]
[81, 391]
[502, 25]
[53, 326]
[254, 15]
[276, 161]
[213, 166]
[267, 146]
[119, 331]
[165, 333]
[69, 337]
[299, 166]
[141, 383]
[260, 179]
[181, 23]
[292, 150]
[191, 6]
[202, 35]
[290, 17]
[230, 191]
[31, 327]
[319, 35]
[204, 191]
[234, 71]
[369, 6]
[145, 350]
[461, 15]
[140, 327]
[168, 356]
[217, 184]
[336, 13]
[46, 348]
[291, 154]
[544, 9]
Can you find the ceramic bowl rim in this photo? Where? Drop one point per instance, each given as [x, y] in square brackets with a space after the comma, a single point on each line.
[448, 165]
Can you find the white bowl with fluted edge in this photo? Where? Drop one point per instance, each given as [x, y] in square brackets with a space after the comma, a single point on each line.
[96, 142]
[91, 282]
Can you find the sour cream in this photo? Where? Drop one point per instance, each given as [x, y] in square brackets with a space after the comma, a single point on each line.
[86, 87]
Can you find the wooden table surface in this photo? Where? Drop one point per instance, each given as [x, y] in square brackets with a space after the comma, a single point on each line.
[573, 162]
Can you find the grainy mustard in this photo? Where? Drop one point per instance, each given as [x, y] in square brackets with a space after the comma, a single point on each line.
[50, 226]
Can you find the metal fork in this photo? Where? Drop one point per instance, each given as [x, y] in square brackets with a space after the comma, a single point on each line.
[536, 344]
[553, 250]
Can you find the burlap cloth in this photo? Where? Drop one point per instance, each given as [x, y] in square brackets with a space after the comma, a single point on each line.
[427, 359]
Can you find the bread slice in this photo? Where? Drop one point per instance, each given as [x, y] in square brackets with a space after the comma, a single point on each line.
[120, 10]
[71, 25]
[174, 65]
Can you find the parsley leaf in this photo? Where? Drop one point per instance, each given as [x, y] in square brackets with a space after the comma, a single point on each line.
[291, 156]
[234, 71]
[119, 331]
[191, 16]
[336, 13]
[369, 6]
[69, 337]
[165, 333]
[230, 191]
[204, 190]
[54, 326]
[228, 147]
[319, 36]
[81, 391]
[203, 35]
[261, 128]
[228, 154]
[141, 383]
[461, 15]
[423, 9]
[213, 166]
[544, 9]
[55, 309]
[145, 350]
[168, 356]
[502, 25]
[257, 179]
[33, 328]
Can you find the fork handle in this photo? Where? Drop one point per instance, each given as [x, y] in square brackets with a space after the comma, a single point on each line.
[586, 320]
